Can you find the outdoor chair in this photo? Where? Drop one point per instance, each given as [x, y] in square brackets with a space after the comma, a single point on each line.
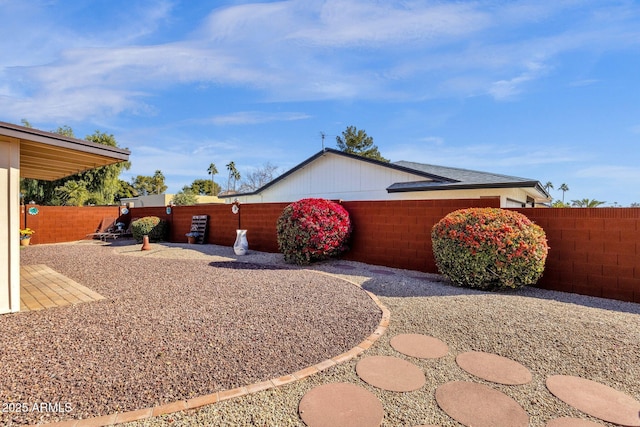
[106, 226]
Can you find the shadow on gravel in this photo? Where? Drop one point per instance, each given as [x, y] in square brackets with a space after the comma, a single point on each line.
[427, 287]
[414, 287]
[240, 265]
[121, 242]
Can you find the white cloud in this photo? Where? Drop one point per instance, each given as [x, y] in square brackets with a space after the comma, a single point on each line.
[488, 157]
[299, 50]
[349, 23]
[255, 117]
[505, 89]
[435, 140]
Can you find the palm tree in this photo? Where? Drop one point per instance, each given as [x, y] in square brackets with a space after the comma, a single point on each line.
[548, 186]
[564, 187]
[212, 170]
[236, 178]
[587, 203]
[233, 174]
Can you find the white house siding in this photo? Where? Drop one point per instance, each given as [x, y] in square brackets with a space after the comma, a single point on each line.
[337, 177]
[334, 177]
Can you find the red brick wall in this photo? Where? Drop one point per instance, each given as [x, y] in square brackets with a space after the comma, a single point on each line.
[398, 233]
[221, 228]
[260, 222]
[594, 251]
[55, 224]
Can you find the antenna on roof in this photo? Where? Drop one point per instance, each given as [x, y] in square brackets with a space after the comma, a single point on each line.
[322, 135]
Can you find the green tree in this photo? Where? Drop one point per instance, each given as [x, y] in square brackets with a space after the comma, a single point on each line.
[146, 185]
[212, 170]
[101, 183]
[357, 142]
[587, 203]
[233, 175]
[560, 204]
[65, 130]
[184, 197]
[158, 182]
[125, 190]
[202, 187]
[548, 186]
[142, 185]
[564, 188]
[73, 193]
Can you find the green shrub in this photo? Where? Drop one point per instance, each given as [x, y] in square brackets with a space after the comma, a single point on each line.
[488, 248]
[152, 226]
[313, 229]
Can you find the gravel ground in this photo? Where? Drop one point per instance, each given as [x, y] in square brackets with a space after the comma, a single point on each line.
[548, 332]
[170, 329]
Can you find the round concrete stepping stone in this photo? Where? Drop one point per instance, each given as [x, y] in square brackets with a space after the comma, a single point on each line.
[390, 373]
[595, 399]
[418, 345]
[492, 367]
[340, 404]
[571, 422]
[477, 405]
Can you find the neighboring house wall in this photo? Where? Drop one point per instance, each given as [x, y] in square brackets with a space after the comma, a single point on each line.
[155, 200]
[333, 177]
[336, 177]
[147, 201]
[208, 199]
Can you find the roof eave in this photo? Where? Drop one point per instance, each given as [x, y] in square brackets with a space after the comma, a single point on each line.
[460, 186]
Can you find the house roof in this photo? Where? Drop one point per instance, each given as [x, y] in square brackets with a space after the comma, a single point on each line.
[49, 156]
[340, 153]
[461, 179]
[437, 177]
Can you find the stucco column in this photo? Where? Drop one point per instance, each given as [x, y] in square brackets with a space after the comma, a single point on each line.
[9, 225]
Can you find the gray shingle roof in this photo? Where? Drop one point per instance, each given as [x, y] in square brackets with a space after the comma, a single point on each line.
[463, 175]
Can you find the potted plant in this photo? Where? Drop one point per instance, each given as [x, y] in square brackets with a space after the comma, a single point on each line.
[25, 236]
[192, 236]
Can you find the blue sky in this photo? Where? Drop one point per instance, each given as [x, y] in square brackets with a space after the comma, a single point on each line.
[548, 90]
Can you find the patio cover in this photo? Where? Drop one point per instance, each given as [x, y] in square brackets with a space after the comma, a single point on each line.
[49, 156]
[30, 153]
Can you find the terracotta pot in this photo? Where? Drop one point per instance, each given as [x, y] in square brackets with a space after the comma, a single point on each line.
[145, 243]
[191, 240]
[25, 242]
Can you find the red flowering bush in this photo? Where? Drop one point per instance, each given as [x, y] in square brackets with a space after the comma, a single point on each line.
[313, 229]
[488, 248]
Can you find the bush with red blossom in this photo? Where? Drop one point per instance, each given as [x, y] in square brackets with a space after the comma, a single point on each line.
[489, 248]
[313, 229]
